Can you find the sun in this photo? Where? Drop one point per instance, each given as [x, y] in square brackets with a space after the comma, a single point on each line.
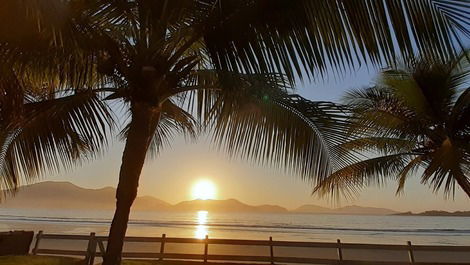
[204, 190]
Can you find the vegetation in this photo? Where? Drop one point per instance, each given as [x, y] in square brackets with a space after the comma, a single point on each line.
[416, 121]
[39, 260]
[49, 260]
[184, 66]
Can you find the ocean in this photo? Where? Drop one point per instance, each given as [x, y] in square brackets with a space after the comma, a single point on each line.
[292, 227]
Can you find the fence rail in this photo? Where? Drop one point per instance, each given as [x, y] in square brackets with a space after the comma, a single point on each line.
[96, 248]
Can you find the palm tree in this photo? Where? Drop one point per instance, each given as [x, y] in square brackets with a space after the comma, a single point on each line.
[416, 121]
[50, 117]
[181, 66]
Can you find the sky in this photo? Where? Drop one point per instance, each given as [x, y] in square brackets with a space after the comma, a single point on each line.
[172, 174]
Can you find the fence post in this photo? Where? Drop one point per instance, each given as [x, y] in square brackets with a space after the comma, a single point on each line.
[410, 253]
[162, 246]
[101, 247]
[36, 244]
[91, 250]
[340, 252]
[271, 249]
[206, 248]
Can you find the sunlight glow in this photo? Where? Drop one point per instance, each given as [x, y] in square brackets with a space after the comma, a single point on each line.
[201, 229]
[202, 217]
[204, 190]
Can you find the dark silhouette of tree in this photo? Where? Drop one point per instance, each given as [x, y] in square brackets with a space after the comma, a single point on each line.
[416, 121]
[186, 65]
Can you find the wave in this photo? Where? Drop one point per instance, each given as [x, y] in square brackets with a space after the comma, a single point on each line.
[233, 226]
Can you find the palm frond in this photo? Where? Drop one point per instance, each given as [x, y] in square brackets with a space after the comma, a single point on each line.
[460, 118]
[61, 36]
[376, 112]
[253, 116]
[296, 38]
[52, 135]
[381, 145]
[349, 180]
[407, 171]
[174, 121]
[311, 37]
[444, 168]
[416, 118]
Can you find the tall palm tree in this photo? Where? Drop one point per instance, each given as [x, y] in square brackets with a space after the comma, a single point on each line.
[416, 121]
[179, 66]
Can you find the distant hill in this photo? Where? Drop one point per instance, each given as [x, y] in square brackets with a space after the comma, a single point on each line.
[310, 208]
[230, 205]
[65, 195]
[436, 213]
[359, 210]
[347, 210]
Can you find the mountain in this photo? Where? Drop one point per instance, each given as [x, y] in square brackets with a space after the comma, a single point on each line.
[359, 210]
[310, 208]
[65, 195]
[230, 205]
[437, 213]
[347, 210]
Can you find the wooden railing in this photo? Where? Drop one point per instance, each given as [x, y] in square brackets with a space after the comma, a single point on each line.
[96, 248]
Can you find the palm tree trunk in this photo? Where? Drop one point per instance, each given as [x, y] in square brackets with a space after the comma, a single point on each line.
[139, 136]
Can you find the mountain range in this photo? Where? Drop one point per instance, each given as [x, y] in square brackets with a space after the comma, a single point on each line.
[347, 210]
[65, 195]
[437, 213]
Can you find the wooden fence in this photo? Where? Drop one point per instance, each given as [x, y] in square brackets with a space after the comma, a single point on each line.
[96, 248]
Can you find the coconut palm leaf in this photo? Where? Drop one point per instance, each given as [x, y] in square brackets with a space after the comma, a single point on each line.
[417, 118]
[305, 37]
[51, 135]
[253, 116]
[461, 112]
[173, 121]
[349, 180]
[60, 38]
[313, 36]
[378, 114]
[382, 145]
[407, 171]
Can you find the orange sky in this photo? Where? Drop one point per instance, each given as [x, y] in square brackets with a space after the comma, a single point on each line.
[170, 177]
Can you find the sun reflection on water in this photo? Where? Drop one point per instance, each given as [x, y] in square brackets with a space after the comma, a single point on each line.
[201, 229]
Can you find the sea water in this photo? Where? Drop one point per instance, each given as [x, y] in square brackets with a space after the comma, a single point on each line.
[292, 227]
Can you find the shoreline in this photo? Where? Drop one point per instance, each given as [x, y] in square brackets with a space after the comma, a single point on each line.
[429, 213]
[358, 229]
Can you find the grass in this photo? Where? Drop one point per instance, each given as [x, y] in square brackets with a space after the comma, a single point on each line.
[39, 260]
[132, 262]
[46, 260]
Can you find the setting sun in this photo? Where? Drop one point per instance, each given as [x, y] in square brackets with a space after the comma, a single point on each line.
[204, 190]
